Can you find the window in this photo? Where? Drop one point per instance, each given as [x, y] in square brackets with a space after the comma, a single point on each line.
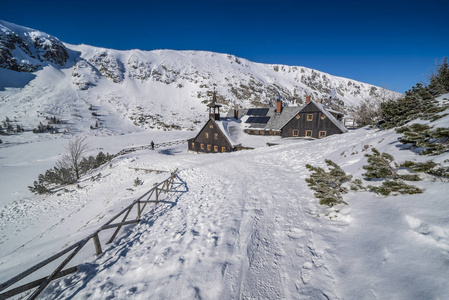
[223, 149]
[202, 146]
[256, 132]
[308, 132]
[262, 132]
[298, 116]
[322, 134]
[323, 116]
[215, 136]
[295, 132]
[211, 126]
[193, 145]
[309, 117]
[209, 147]
[215, 148]
[206, 135]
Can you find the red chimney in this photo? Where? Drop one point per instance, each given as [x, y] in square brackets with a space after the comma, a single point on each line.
[307, 99]
[279, 106]
[236, 113]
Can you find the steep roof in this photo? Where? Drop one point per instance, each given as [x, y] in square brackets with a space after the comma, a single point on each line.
[277, 121]
[234, 132]
[268, 119]
[330, 116]
[214, 102]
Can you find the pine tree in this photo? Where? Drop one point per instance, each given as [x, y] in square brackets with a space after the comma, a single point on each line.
[433, 141]
[395, 187]
[382, 166]
[39, 188]
[379, 165]
[328, 185]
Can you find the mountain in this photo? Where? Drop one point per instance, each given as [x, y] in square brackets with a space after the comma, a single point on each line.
[41, 77]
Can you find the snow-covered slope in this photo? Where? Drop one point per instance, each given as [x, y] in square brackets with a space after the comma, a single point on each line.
[240, 225]
[133, 90]
[26, 49]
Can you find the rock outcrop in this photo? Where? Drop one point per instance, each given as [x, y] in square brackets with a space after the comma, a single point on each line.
[25, 50]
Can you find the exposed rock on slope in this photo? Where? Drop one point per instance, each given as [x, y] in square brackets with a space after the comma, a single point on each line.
[109, 66]
[161, 89]
[23, 49]
[84, 75]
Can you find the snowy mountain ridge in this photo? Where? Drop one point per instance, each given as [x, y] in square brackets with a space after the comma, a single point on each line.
[134, 90]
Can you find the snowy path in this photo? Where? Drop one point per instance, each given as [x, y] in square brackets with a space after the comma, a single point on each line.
[232, 233]
[245, 225]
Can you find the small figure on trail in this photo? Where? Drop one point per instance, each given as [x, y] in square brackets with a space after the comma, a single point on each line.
[152, 145]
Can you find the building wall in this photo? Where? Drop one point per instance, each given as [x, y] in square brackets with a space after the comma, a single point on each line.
[261, 132]
[210, 140]
[311, 123]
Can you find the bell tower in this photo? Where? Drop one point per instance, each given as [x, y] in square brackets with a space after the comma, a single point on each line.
[214, 108]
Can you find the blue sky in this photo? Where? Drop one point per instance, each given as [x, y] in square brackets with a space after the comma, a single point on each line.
[386, 43]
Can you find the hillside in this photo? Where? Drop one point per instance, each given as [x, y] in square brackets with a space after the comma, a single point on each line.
[239, 225]
[134, 90]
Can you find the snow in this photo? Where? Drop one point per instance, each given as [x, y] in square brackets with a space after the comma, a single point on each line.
[136, 89]
[237, 225]
[234, 131]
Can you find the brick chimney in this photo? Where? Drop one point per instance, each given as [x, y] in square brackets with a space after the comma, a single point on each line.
[307, 99]
[236, 113]
[278, 106]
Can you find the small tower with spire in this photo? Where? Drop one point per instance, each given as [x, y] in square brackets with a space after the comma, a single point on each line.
[214, 108]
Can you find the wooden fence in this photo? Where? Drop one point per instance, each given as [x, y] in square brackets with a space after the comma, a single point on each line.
[148, 147]
[139, 205]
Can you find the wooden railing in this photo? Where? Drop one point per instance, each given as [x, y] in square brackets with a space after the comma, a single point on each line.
[148, 147]
[140, 204]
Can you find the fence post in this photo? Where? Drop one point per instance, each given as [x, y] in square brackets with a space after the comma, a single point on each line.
[138, 210]
[118, 228]
[58, 269]
[97, 244]
[43, 282]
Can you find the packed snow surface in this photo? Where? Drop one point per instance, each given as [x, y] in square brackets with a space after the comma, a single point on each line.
[240, 225]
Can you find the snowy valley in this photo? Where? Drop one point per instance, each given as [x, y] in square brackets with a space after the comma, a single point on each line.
[241, 225]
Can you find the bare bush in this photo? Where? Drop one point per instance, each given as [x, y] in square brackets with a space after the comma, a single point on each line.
[76, 148]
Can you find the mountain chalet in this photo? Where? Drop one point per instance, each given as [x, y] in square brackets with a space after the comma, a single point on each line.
[241, 128]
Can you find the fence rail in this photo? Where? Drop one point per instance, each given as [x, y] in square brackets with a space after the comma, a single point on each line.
[148, 147]
[140, 204]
